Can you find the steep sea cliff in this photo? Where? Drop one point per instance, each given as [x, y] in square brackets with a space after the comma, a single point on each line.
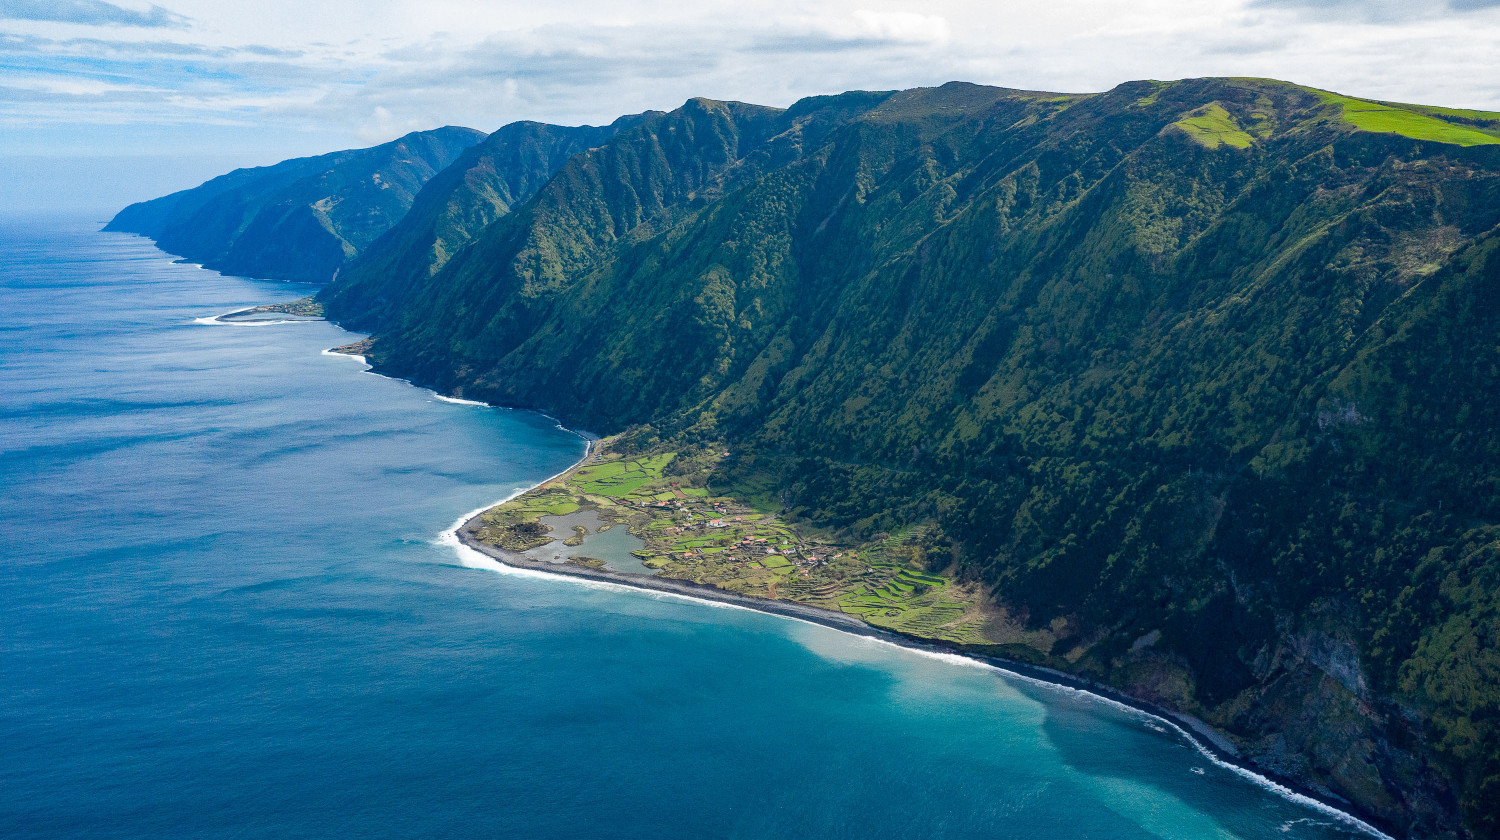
[228, 611]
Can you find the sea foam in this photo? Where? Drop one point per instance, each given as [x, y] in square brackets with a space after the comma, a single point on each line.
[460, 401]
[470, 558]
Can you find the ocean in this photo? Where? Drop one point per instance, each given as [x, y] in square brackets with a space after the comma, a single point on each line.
[227, 610]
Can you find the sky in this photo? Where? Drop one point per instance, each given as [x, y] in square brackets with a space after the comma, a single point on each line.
[103, 102]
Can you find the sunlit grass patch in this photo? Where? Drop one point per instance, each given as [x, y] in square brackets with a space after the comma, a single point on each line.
[1440, 125]
[712, 538]
[911, 577]
[1211, 126]
[621, 477]
[558, 508]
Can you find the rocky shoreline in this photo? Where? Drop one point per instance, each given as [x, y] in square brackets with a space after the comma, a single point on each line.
[1211, 743]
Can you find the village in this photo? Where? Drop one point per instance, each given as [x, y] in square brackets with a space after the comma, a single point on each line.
[688, 533]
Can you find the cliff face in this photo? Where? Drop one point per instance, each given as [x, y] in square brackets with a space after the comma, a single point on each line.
[300, 219]
[482, 185]
[1198, 376]
[1309, 715]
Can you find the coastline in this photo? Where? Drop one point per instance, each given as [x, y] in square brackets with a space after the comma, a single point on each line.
[1210, 744]
[241, 317]
[1203, 738]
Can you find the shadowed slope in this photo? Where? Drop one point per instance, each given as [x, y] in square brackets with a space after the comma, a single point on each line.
[484, 184]
[300, 219]
[1200, 359]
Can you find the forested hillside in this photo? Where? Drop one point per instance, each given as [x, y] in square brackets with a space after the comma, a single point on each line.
[1200, 377]
[482, 185]
[300, 219]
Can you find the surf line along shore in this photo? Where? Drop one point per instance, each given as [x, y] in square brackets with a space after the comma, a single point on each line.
[1213, 747]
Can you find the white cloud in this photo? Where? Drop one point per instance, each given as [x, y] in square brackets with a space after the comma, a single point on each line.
[909, 27]
[368, 70]
[90, 13]
[382, 125]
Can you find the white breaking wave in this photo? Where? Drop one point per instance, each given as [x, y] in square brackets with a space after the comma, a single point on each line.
[473, 559]
[460, 401]
[371, 371]
[360, 359]
[435, 395]
[470, 558]
[215, 322]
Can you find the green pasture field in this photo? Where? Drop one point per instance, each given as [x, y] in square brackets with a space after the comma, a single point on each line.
[1417, 122]
[620, 477]
[875, 581]
[1212, 126]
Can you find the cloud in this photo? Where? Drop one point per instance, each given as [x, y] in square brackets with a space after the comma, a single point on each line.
[90, 13]
[1376, 11]
[382, 125]
[909, 27]
[863, 30]
[594, 72]
[16, 45]
[363, 72]
[77, 82]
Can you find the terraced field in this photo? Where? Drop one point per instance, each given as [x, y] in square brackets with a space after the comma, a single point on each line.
[692, 534]
[916, 603]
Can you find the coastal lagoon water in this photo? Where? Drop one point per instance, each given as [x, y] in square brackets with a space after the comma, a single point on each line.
[613, 545]
[226, 612]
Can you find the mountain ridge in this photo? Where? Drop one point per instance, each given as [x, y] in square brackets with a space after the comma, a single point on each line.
[300, 219]
[479, 187]
[1195, 377]
[814, 312]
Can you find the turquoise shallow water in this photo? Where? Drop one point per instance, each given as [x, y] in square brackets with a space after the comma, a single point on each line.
[227, 613]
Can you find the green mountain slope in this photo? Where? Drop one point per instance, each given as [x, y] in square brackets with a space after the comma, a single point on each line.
[482, 185]
[300, 219]
[1198, 376]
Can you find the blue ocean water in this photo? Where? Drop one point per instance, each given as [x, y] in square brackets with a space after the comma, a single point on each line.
[225, 612]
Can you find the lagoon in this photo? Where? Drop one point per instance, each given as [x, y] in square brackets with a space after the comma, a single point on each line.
[612, 544]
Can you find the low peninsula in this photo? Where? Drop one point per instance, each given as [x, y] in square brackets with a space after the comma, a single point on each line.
[685, 536]
[1183, 387]
[681, 529]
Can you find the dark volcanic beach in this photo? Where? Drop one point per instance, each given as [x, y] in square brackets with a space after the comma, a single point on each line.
[1213, 744]
[227, 613]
